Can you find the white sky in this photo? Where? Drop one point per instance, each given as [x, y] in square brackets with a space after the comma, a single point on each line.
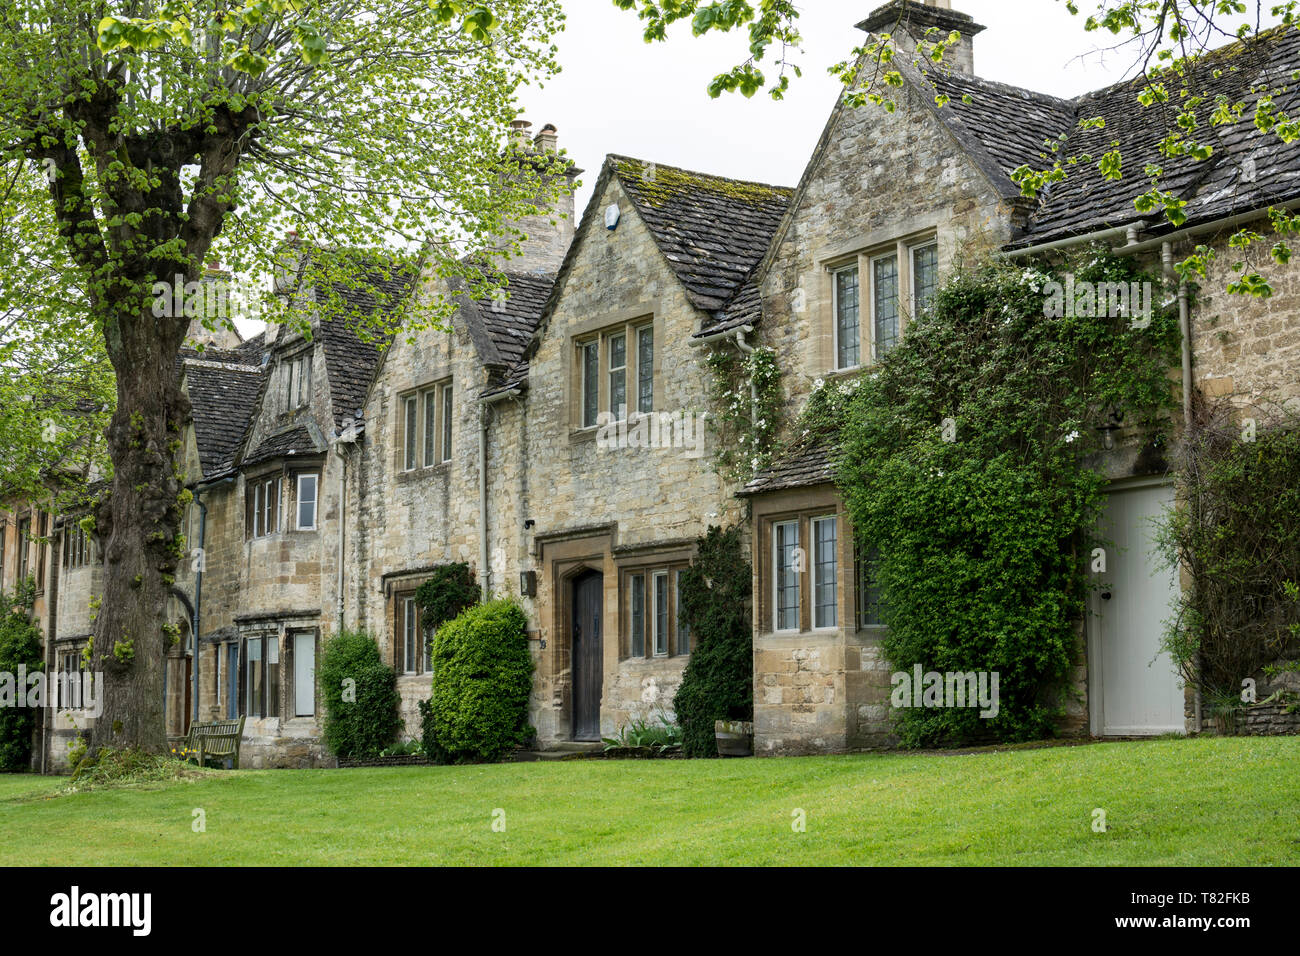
[618, 94]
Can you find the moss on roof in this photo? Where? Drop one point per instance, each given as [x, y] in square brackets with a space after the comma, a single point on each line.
[660, 185]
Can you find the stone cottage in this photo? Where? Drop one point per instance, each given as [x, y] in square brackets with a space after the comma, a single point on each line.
[556, 439]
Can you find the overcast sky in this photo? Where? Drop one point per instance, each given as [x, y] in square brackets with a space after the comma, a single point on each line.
[618, 94]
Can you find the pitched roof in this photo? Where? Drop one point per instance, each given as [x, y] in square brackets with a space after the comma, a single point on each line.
[1249, 168]
[224, 399]
[294, 442]
[351, 357]
[511, 319]
[712, 230]
[803, 467]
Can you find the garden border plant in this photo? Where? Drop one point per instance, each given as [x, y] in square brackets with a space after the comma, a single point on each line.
[360, 695]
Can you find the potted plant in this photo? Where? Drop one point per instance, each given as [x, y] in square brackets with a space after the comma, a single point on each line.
[735, 738]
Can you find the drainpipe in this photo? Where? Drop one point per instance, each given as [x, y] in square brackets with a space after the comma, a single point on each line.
[52, 604]
[485, 417]
[347, 438]
[748, 349]
[1185, 330]
[1129, 233]
[196, 616]
[198, 605]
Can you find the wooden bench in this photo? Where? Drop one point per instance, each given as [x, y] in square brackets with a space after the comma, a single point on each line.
[216, 740]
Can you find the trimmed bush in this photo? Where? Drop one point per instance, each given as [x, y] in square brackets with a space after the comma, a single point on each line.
[719, 680]
[20, 645]
[482, 676]
[360, 695]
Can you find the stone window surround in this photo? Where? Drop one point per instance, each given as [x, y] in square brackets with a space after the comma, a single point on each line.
[648, 313]
[287, 367]
[803, 505]
[283, 631]
[861, 251]
[649, 561]
[433, 385]
[403, 591]
[287, 492]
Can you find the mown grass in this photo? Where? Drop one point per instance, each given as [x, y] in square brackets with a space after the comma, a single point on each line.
[1203, 801]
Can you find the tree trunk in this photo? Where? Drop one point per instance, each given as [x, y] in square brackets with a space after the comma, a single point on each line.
[138, 526]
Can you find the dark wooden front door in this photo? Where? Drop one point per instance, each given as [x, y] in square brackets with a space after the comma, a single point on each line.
[588, 607]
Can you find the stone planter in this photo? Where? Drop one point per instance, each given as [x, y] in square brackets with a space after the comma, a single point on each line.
[735, 738]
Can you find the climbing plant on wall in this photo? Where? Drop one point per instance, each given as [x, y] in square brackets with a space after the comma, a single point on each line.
[745, 401]
[449, 591]
[967, 461]
[1237, 536]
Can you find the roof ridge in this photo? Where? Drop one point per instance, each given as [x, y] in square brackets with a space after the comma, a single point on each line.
[616, 157]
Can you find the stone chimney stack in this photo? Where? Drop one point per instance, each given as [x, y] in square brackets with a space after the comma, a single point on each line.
[908, 20]
[549, 232]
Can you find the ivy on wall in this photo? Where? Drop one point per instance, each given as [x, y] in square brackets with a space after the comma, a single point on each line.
[967, 461]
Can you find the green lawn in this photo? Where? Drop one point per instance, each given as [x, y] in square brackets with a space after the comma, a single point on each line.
[1189, 802]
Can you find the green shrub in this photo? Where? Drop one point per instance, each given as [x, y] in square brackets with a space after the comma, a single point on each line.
[967, 462]
[482, 677]
[718, 683]
[1238, 537]
[446, 595]
[360, 695]
[20, 645]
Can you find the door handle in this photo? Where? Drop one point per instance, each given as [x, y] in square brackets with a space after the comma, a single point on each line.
[1105, 595]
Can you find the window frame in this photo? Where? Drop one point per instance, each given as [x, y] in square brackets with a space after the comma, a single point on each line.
[635, 373]
[425, 421]
[271, 685]
[836, 272]
[262, 513]
[640, 580]
[914, 273]
[314, 477]
[904, 250]
[777, 547]
[876, 355]
[814, 565]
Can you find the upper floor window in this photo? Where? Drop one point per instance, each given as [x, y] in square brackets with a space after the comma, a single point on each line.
[615, 374]
[427, 418]
[875, 295]
[297, 381]
[925, 275]
[307, 489]
[261, 507]
[847, 340]
[24, 548]
[78, 549]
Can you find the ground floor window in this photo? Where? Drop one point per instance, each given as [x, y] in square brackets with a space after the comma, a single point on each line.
[653, 625]
[262, 676]
[413, 645]
[304, 673]
[806, 570]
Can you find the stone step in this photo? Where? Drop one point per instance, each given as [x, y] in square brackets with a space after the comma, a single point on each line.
[564, 750]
